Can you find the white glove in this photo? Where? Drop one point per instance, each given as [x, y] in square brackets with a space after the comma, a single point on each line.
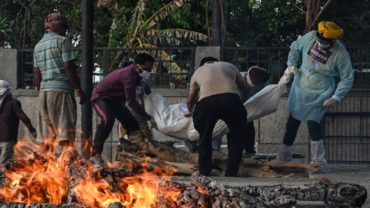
[330, 102]
[289, 72]
[292, 70]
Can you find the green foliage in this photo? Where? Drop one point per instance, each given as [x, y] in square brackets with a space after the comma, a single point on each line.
[249, 22]
[263, 23]
[142, 29]
[5, 28]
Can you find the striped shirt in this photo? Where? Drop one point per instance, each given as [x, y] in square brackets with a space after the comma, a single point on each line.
[50, 54]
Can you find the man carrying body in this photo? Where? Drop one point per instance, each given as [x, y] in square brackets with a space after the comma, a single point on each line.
[218, 85]
[323, 57]
[110, 97]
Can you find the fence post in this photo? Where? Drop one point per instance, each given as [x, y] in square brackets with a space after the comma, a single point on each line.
[86, 75]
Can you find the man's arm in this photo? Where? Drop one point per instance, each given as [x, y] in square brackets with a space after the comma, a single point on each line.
[242, 86]
[73, 78]
[193, 93]
[37, 77]
[346, 74]
[129, 86]
[296, 49]
[191, 99]
[23, 117]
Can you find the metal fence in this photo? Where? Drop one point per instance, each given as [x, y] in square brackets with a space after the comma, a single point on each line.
[176, 64]
[173, 65]
[272, 58]
[346, 129]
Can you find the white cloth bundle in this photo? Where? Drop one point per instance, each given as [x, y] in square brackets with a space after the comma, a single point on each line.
[171, 121]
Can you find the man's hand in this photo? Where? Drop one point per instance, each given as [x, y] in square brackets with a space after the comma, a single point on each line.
[153, 124]
[289, 72]
[81, 95]
[330, 102]
[188, 114]
[33, 132]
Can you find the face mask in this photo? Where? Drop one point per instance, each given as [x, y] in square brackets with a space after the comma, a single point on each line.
[145, 75]
[322, 44]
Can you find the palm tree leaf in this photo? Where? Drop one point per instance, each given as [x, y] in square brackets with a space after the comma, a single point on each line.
[174, 35]
[164, 12]
[103, 3]
[136, 19]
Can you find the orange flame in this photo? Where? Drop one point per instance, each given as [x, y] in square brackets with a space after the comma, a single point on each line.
[46, 179]
[35, 181]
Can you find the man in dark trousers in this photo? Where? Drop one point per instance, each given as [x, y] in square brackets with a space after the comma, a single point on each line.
[256, 78]
[110, 98]
[10, 113]
[217, 85]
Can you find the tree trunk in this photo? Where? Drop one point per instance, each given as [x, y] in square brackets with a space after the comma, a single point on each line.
[314, 11]
[216, 23]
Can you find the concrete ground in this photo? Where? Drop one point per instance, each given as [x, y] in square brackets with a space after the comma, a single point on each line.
[359, 174]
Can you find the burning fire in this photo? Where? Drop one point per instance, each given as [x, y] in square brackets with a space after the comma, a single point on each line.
[38, 176]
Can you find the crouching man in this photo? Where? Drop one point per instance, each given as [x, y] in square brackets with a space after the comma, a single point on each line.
[110, 97]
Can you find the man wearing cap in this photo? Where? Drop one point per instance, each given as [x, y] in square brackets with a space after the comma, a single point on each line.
[315, 60]
[214, 87]
[10, 114]
[57, 82]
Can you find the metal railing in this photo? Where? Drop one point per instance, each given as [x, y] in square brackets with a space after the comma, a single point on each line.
[173, 65]
[176, 64]
[346, 129]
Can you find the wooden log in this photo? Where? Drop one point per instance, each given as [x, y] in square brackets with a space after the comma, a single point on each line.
[186, 163]
[151, 163]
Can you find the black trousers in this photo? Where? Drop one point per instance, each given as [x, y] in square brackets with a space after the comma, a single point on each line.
[291, 129]
[250, 138]
[109, 110]
[229, 108]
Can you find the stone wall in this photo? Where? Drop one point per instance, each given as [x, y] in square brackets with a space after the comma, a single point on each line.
[8, 61]
[269, 130]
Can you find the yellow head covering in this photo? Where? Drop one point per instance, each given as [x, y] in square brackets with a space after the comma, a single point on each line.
[330, 30]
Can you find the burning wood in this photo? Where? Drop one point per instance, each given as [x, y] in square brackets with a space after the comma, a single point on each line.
[185, 163]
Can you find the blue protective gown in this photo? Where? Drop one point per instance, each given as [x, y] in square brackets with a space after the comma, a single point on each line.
[314, 81]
